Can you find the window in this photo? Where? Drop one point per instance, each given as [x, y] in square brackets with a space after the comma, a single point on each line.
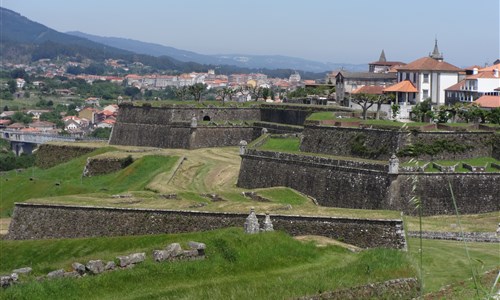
[425, 94]
[426, 78]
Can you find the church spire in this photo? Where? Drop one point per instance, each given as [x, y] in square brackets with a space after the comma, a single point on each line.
[382, 57]
[435, 54]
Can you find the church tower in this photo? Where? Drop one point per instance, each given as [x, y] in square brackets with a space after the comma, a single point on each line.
[435, 54]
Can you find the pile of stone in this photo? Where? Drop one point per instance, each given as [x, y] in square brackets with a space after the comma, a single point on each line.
[93, 267]
[172, 252]
[213, 197]
[8, 280]
[255, 197]
[175, 252]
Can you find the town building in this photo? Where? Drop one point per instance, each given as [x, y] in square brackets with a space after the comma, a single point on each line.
[382, 65]
[430, 75]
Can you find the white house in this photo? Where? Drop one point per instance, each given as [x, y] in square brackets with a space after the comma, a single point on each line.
[481, 82]
[431, 76]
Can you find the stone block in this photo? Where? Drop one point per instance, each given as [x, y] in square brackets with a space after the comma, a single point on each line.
[5, 281]
[200, 247]
[110, 265]
[137, 257]
[78, 267]
[72, 274]
[190, 253]
[95, 266]
[173, 250]
[25, 270]
[56, 274]
[160, 255]
[123, 261]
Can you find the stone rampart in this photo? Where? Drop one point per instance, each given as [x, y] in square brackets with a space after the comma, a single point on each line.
[180, 136]
[336, 183]
[474, 192]
[360, 185]
[277, 128]
[380, 143]
[49, 155]
[167, 115]
[37, 221]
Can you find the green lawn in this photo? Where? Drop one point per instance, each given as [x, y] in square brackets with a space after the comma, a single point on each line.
[238, 266]
[66, 179]
[281, 144]
[445, 262]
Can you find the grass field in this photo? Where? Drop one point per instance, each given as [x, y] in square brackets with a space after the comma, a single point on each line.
[264, 266]
[238, 266]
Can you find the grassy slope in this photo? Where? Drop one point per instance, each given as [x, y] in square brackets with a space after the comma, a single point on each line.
[65, 179]
[445, 262]
[267, 266]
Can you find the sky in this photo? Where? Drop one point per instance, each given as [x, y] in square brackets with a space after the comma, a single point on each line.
[347, 31]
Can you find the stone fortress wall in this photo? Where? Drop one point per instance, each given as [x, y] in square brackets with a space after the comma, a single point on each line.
[40, 221]
[352, 184]
[381, 144]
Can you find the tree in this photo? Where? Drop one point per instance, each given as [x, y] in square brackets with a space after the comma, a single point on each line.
[5, 108]
[20, 117]
[365, 101]
[182, 92]
[133, 92]
[422, 109]
[381, 99]
[255, 91]
[12, 86]
[197, 91]
[226, 92]
[395, 108]
[494, 116]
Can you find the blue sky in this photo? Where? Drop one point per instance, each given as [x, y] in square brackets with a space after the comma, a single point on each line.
[353, 31]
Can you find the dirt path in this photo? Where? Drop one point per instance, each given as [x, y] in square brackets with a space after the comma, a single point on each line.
[4, 225]
[203, 170]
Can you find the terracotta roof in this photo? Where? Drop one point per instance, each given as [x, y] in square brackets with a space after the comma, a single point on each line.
[488, 101]
[16, 125]
[483, 74]
[369, 89]
[429, 64]
[42, 124]
[490, 68]
[5, 122]
[404, 86]
[457, 86]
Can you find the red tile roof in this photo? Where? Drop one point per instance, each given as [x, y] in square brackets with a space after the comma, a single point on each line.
[457, 86]
[488, 101]
[404, 86]
[369, 89]
[429, 64]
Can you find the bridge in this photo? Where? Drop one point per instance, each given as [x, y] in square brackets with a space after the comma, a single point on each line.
[25, 142]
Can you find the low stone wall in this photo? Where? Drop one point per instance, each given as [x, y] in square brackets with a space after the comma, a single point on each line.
[381, 143]
[479, 237]
[403, 288]
[100, 166]
[49, 155]
[276, 128]
[361, 185]
[36, 221]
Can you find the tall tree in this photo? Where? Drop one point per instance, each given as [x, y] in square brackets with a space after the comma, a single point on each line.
[365, 101]
[197, 91]
[182, 92]
[383, 99]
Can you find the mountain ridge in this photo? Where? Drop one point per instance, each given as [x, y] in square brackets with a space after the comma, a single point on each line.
[240, 60]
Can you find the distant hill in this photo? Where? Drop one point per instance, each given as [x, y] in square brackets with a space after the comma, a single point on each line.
[240, 60]
[23, 40]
